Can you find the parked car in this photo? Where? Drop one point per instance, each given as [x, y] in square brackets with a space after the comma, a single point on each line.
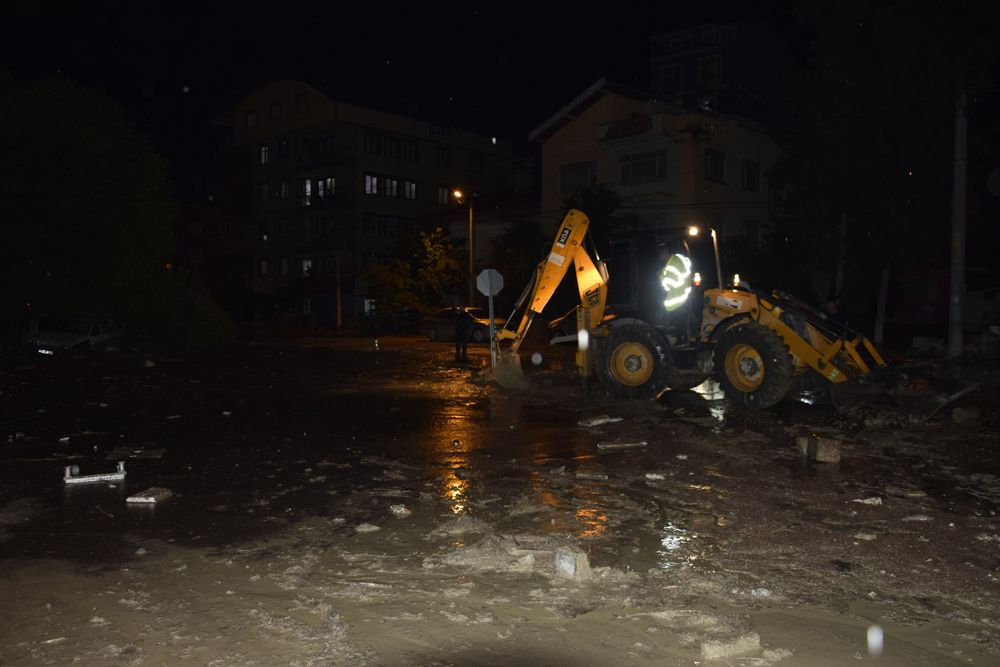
[441, 325]
[76, 334]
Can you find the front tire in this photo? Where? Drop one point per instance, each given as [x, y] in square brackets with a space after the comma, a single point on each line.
[635, 361]
[753, 365]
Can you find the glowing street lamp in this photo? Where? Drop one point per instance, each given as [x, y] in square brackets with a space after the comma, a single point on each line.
[460, 198]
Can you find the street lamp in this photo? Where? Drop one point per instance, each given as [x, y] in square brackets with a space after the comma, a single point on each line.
[460, 198]
[694, 231]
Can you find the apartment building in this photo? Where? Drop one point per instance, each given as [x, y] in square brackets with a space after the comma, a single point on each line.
[671, 166]
[335, 188]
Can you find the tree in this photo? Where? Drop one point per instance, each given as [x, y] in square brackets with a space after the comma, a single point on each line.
[871, 154]
[85, 211]
[419, 282]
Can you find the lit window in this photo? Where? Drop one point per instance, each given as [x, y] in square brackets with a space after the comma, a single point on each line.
[307, 267]
[329, 186]
[264, 267]
[409, 190]
[371, 184]
[306, 192]
[444, 194]
[391, 187]
[264, 152]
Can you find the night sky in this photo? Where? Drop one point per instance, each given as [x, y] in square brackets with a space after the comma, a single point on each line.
[500, 68]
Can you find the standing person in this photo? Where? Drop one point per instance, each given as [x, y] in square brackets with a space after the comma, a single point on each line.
[463, 326]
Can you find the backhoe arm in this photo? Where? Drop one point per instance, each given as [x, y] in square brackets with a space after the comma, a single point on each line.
[591, 282]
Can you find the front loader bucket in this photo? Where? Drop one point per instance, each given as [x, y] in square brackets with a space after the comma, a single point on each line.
[507, 371]
[919, 390]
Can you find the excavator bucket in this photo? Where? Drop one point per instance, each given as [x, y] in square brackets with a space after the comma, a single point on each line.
[507, 371]
[918, 390]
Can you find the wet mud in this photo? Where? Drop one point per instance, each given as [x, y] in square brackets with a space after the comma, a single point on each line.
[335, 503]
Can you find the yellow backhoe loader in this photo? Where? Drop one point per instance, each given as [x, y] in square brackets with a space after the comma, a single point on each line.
[670, 332]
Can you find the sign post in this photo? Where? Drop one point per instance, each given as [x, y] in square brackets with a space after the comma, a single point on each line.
[489, 282]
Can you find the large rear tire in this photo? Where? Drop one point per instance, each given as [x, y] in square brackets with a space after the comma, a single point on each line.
[753, 365]
[635, 361]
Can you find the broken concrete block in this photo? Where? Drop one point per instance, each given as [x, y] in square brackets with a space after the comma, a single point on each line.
[620, 444]
[819, 448]
[572, 563]
[71, 475]
[150, 496]
[716, 649]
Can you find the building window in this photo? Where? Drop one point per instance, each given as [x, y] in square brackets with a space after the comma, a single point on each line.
[276, 111]
[374, 143]
[390, 186]
[392, 147]
[282, 148]
[640, 168]
[264, 153]
[301, 101]
[444, 194]
[576, 177]
[709, 77]
[715, 166]
[368, 226]
[282, 228]
[264, 267]
[251, 118]
[409, 190]
[307, 267]
[284, 266]
[751, 175]
[307, 229]
[262, 191]
[476, 165]
[371, 184]
[262, 229]
[306, 192]
[411, 150]
[751, 231]
[443, 156]
[283, 189]
[325, 187]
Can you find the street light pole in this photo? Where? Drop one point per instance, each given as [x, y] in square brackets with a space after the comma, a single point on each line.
[472, 253]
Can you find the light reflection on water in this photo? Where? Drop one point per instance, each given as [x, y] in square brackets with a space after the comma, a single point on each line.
[452, 440]
[672, 541]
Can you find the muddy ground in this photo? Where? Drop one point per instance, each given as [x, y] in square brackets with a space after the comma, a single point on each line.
[338, 504]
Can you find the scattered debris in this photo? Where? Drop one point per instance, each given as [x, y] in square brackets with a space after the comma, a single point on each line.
[119, 453]
[874, 500]
[400, 510]
[819, 448]
[597, 421]
[367, 528]
[152, 495]
[174, 417]
[618, 444]
[655, 476]
[149, 363]
[596, 476]
[571, 562]
[71, 475]
[716, 649]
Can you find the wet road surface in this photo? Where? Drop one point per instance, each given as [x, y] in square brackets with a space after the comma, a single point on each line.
[342, 504]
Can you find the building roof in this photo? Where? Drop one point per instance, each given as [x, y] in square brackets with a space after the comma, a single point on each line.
[581, 103]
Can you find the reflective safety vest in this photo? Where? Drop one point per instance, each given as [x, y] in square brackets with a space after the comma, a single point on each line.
[675, 277]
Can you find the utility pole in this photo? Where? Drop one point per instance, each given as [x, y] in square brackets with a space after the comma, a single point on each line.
[956, 295]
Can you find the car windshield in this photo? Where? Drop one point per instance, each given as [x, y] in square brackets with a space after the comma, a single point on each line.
[81, 327]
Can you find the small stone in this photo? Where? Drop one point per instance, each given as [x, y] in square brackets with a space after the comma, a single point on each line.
[367, 528]
[571, 562]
